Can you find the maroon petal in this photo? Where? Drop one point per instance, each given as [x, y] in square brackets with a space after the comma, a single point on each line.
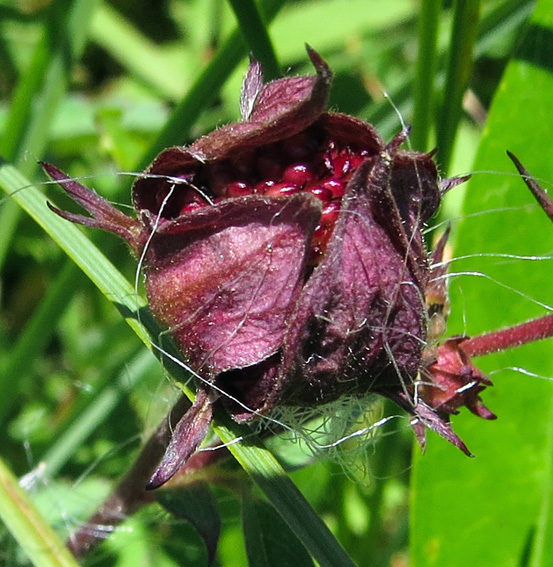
[539, 193]
[224, 278]
[189, 433]
[437, 423]
[451, 380]
[360, 321]
[450, 182]
[106, 216]
[298, 100]
[275, 111]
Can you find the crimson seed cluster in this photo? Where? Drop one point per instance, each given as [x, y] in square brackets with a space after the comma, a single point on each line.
[309, 161]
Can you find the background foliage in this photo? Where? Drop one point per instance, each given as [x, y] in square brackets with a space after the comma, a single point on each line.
[98, 89]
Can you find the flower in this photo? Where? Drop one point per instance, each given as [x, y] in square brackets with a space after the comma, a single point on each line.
[285, 254]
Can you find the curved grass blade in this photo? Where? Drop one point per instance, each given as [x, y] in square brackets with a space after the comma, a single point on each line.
[465, 26]
[36, 538]
[425, 73]
[44, 83]
[255, 33]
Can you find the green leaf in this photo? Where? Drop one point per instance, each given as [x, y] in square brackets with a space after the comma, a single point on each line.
[495, 509]
[194, 502]
[269, 540]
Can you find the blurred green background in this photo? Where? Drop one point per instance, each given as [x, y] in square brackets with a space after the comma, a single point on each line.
[98, 89]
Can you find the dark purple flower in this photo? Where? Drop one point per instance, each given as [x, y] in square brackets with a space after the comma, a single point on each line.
[285, 254]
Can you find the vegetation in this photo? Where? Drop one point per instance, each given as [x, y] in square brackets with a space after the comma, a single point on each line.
[98, 89]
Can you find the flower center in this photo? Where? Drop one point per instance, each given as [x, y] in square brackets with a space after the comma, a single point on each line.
[310, 161]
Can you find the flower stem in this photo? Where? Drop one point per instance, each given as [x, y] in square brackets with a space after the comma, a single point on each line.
[130, 494]
[527, 332]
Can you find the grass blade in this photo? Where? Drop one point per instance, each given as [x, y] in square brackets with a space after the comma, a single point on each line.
[255, 33]
[136, 53]
[34, 535]
[35, 336]
[465, 27]
[44, 83]
[425, 73]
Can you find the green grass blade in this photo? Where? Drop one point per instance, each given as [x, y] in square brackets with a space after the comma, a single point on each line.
[265, 470]
[507, 16]
[464, 33]
[136, 53]
[44, 83]
[256, 35]
[35, 336]
[72, 240]
[36, 538]
[425, 74]
[96, 412]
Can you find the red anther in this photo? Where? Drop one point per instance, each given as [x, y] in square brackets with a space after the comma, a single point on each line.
[321, 193]
[356, 159]
[193, 206]
[321, 236]
[263, 186]
[238, 189]
[341, 164]
[282, 189]
[337, 187]
[330, 213]
[298, 174]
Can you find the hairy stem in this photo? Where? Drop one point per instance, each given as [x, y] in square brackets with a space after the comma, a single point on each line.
[527, 332]
[130, 494]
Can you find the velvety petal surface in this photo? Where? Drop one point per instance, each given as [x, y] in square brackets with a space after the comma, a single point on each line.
[360, 321]
[225, 279]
